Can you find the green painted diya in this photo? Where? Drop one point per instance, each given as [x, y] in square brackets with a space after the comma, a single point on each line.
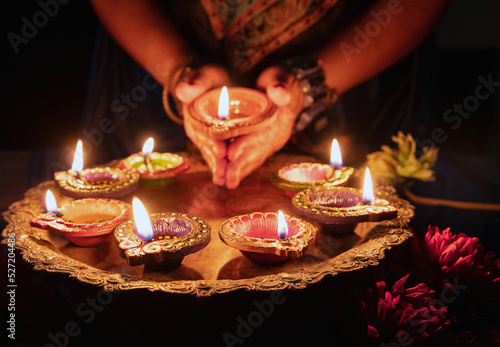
[162, 169]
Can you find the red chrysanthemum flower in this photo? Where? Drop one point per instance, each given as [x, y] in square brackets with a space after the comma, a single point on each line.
[404, 315]
[460, 256]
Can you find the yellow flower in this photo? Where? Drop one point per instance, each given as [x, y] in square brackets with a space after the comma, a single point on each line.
[390, 163]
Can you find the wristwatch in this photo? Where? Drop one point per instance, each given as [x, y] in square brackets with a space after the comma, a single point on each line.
[317, 95]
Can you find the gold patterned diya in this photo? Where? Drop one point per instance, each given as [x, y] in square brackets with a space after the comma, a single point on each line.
[161, 240]
[267, 238]
[85, 222]
[98, 182]
[156, 170]
[296, 177]
[340, 209]
[229, 112]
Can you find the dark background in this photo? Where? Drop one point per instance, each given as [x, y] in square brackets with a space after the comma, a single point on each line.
[44, 84]
[42, 98]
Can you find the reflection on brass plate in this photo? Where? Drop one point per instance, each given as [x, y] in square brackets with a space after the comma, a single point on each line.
[45, 252]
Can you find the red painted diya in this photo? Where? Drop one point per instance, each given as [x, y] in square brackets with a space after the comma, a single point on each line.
[164, 167]
[256, 236]
[295, 177]
[85, 222]
[249, 110]
[175, 235]
[340, 209]
[98, 182]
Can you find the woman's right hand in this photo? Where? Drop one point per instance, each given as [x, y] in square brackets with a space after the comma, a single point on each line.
[214, 151]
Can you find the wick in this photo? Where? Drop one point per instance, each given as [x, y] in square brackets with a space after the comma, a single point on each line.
[80, 176]
[147, 162]
[55, 213]
[282, 233]
[336, 165]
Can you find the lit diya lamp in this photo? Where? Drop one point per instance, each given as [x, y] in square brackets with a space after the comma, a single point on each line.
[267, 237]
[229, 112]
[160, 240]
[340, 209]
[84, 222]
[295, 177]
[156, 170]
[97, 182]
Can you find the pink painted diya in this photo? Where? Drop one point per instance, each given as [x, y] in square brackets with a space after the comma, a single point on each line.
[85, 222]
[295, 177]
[248, 110]
[98, 182]
[257, 237]
[340, 209]
[164, 167]
[175, 235]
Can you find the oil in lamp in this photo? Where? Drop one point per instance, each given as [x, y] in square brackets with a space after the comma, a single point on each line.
[225, 113]
[295, 177]
[267, 237]
[84, 222]
[160, 240]
[340, 209]
[97, 182]
[157, 170]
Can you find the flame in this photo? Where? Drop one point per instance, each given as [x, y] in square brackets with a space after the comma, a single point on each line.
[335, 156]
[50, 203]
[368, 195]
[223, 104]
[282, 226]
[142, 222]
[78, 160]
[148, 146]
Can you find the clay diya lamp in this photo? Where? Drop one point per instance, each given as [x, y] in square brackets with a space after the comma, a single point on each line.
[339, 209]
[98, 182]
[296, 177]
[268, 238]
[85, 222]
[229, 112]
[156, 170]
[161, 240]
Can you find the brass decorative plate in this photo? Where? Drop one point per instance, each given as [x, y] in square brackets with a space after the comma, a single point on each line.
[217, 268]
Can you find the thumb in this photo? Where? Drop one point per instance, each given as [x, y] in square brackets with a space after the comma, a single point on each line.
[199, 81]
[279, 94]
[276, 83]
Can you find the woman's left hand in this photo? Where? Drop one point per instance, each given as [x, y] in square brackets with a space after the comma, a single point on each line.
[248, 152]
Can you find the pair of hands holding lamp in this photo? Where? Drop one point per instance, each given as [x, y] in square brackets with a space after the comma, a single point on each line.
[230, 162]
[143, 30]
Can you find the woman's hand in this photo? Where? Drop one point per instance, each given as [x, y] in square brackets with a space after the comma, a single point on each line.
[247, 152]
[197, 82]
